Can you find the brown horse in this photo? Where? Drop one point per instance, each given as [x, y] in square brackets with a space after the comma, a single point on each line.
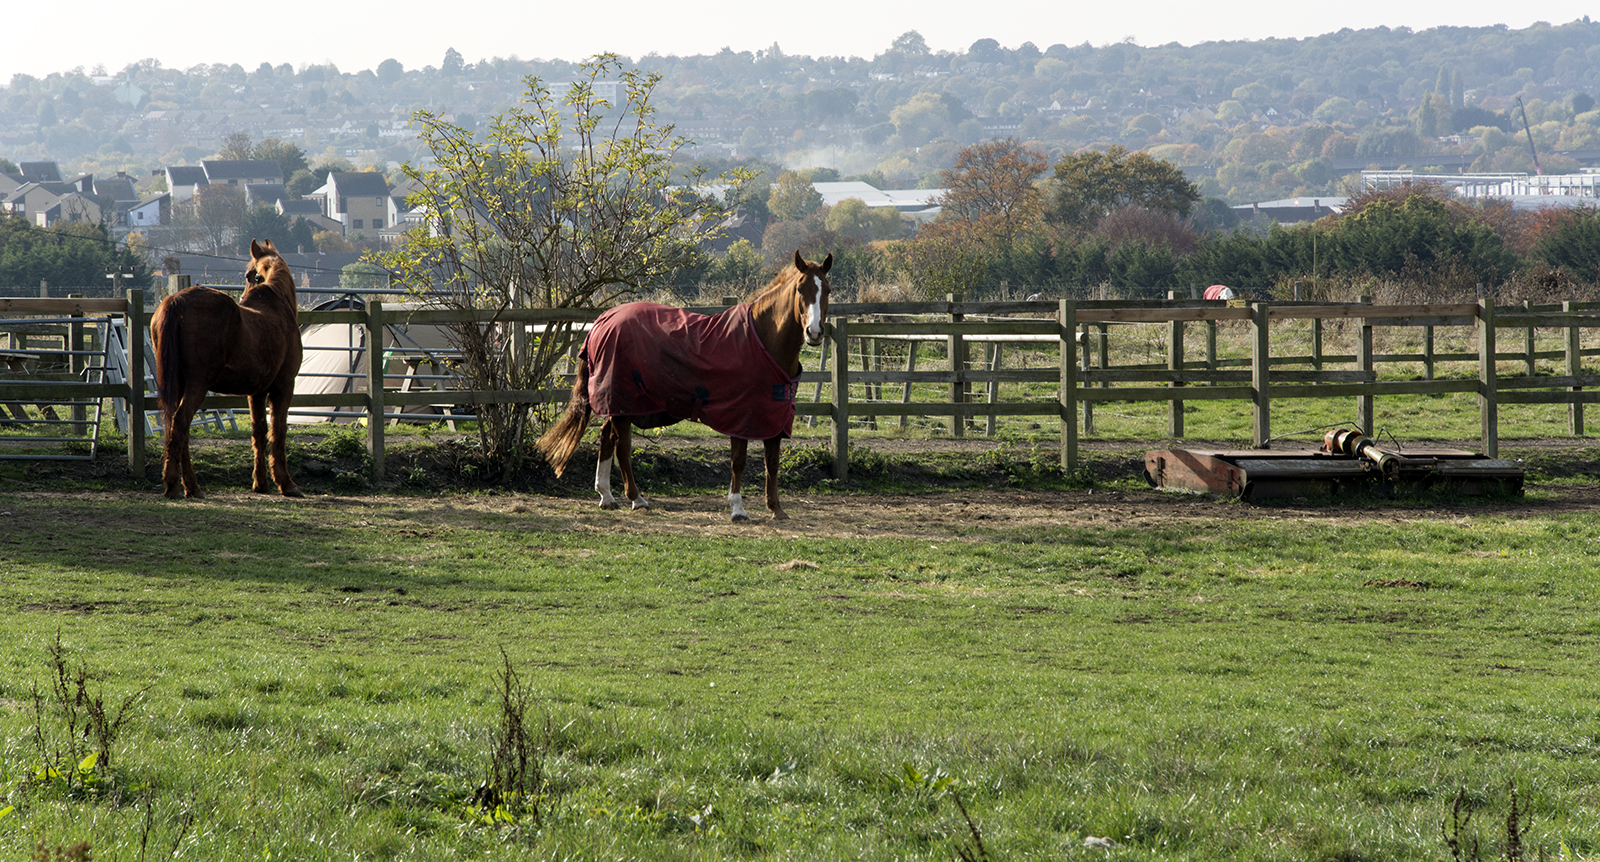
[651, 365]
[204, 341]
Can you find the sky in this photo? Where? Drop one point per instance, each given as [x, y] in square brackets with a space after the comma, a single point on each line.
[43, 37]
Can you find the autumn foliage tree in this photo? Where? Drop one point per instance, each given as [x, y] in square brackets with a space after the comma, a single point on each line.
[992, 193]
[1090, 185]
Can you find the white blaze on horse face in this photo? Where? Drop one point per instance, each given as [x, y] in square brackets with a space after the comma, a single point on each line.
[814, 315]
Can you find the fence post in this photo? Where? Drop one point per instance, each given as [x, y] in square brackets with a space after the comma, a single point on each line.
[177, 282]
[1364, 403]
[957, 349]
[1174, 363]
[841, 398]
[1427, 353]
[1260, 358]
[1067, 326]
[1316, 343]
[77, 362]
[905, 393]
[134, 321]
[1574, 368]
[1088, 363]
[994, 385]
[375, 368]
[1488, 400]
[1529, 352]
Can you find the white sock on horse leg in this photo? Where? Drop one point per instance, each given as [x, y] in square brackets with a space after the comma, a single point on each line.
[736, 503]
[602, 483]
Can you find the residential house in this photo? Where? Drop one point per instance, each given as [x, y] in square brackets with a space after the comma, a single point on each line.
[41, 172]
[183, 180]
[311, 211]
[401, 215]
[30, 199]
[151, 213]
[242, 172]
[265, 194]
[359, 200]
[73, 208]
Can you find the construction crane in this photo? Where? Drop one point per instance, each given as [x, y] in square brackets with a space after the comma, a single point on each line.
[1538, 171]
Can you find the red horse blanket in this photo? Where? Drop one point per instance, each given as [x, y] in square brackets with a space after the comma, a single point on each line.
[657, 365]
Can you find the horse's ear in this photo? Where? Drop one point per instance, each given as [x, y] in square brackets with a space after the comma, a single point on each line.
[256, 250]
[799, 262]
[827, 263]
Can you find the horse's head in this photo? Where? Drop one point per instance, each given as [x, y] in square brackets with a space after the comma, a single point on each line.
[813, 289]
[269, 268]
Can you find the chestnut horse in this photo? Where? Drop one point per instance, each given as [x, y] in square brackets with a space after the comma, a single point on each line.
[651, 365]
[204, 341]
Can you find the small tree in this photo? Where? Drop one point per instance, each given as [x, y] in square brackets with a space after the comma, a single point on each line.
[564, 202]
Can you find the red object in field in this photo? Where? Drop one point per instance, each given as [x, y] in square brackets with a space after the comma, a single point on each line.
[1219, 291]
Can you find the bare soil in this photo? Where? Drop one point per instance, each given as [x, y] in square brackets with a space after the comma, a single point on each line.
[929, 489]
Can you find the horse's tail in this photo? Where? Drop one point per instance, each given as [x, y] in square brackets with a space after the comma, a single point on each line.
[166, 329]
[561, 439]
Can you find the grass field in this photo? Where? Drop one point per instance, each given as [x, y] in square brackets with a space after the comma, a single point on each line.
[1185, 679]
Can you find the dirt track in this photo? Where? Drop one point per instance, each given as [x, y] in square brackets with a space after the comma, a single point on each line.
[855, 513]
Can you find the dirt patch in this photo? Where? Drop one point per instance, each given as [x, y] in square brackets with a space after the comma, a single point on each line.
[929, 489]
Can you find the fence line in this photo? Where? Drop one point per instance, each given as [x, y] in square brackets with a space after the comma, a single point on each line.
[1075, 333]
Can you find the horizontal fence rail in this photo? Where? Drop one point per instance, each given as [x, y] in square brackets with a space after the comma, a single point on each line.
[1065, 340]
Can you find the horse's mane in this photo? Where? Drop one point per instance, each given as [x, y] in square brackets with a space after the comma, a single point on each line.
[784, 280]
[279, 283]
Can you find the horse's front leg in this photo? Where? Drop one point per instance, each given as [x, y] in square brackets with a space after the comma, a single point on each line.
[773, 445]
[625, 464]
[279, 439]
[738, 451]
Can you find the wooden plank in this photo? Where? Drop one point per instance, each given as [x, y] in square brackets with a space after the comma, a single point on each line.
[1165, 393]
[1562, 397]
[1044, 329]
[62, 307]
[1159, 315]
[1548, 382]
[1372, 312]
[1367, 390]
[945, 376]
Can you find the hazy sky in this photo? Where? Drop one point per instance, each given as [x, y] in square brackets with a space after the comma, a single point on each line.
[44, 37]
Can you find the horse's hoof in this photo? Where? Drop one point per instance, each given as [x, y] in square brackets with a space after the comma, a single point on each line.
[779, 516]
[293, 492]
[196, 494]
[173, 494]
[740, 518]
[611, 505]
[641, 503]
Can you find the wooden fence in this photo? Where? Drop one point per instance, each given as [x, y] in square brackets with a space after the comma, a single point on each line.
[1074, 332]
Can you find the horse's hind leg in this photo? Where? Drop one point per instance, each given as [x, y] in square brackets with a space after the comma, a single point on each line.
[738, 452]
[625, 463]
[602, 469]
[773, 447]
[278, 437]
[177, 470]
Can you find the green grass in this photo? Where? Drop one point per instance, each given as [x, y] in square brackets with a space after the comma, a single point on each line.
[322, 683]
